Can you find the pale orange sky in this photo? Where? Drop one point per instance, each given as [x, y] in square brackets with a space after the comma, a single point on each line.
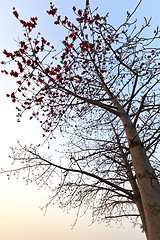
[20, 216]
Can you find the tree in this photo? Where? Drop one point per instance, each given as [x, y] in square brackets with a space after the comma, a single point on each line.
[101, 90]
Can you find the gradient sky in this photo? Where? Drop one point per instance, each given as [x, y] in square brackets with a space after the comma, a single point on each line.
[20, 216]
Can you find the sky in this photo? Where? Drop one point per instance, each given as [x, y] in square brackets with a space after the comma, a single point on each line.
[20, 214]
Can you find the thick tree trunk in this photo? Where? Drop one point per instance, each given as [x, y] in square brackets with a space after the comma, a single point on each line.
[149, 190]
[149, 187]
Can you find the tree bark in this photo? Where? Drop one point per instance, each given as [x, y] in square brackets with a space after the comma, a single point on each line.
[149, 187]
[149, 190]
[142, 215]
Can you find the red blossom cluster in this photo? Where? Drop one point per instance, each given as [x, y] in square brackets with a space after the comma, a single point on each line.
[20, 67]
[15, 13]
[31, 24]
[23, 46]
[14, 73]
[87, 3]
[4, 71]
[28, 62]
[79, 12]
[20, 55]
[13, 97]
[52, 10]
[75, 72]
[86, 46]
[8, 54]
[28, 25]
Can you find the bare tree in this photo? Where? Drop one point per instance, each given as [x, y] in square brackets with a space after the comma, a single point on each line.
[103, 94]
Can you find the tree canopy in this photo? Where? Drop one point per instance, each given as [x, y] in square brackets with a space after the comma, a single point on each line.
[102, 91]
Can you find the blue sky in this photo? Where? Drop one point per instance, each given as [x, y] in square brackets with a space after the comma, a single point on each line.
[20, 216]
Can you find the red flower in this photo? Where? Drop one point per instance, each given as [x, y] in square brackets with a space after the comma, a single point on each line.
[20, 67]
[13, 97]
[97, 16]
[28, 62]
[43, 41]
[12, 73]
[19, 82]
[66, 69]
[80, 12]
[52, 12]
[87, 3]
[97, 23]
[4, 71]
[15, 13]
[8, 54]
[79, 20]
[46, 70]
[39, 99]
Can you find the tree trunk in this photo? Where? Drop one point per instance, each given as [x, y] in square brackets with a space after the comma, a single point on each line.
[142, 215]
[149, 187]
[149, 190]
